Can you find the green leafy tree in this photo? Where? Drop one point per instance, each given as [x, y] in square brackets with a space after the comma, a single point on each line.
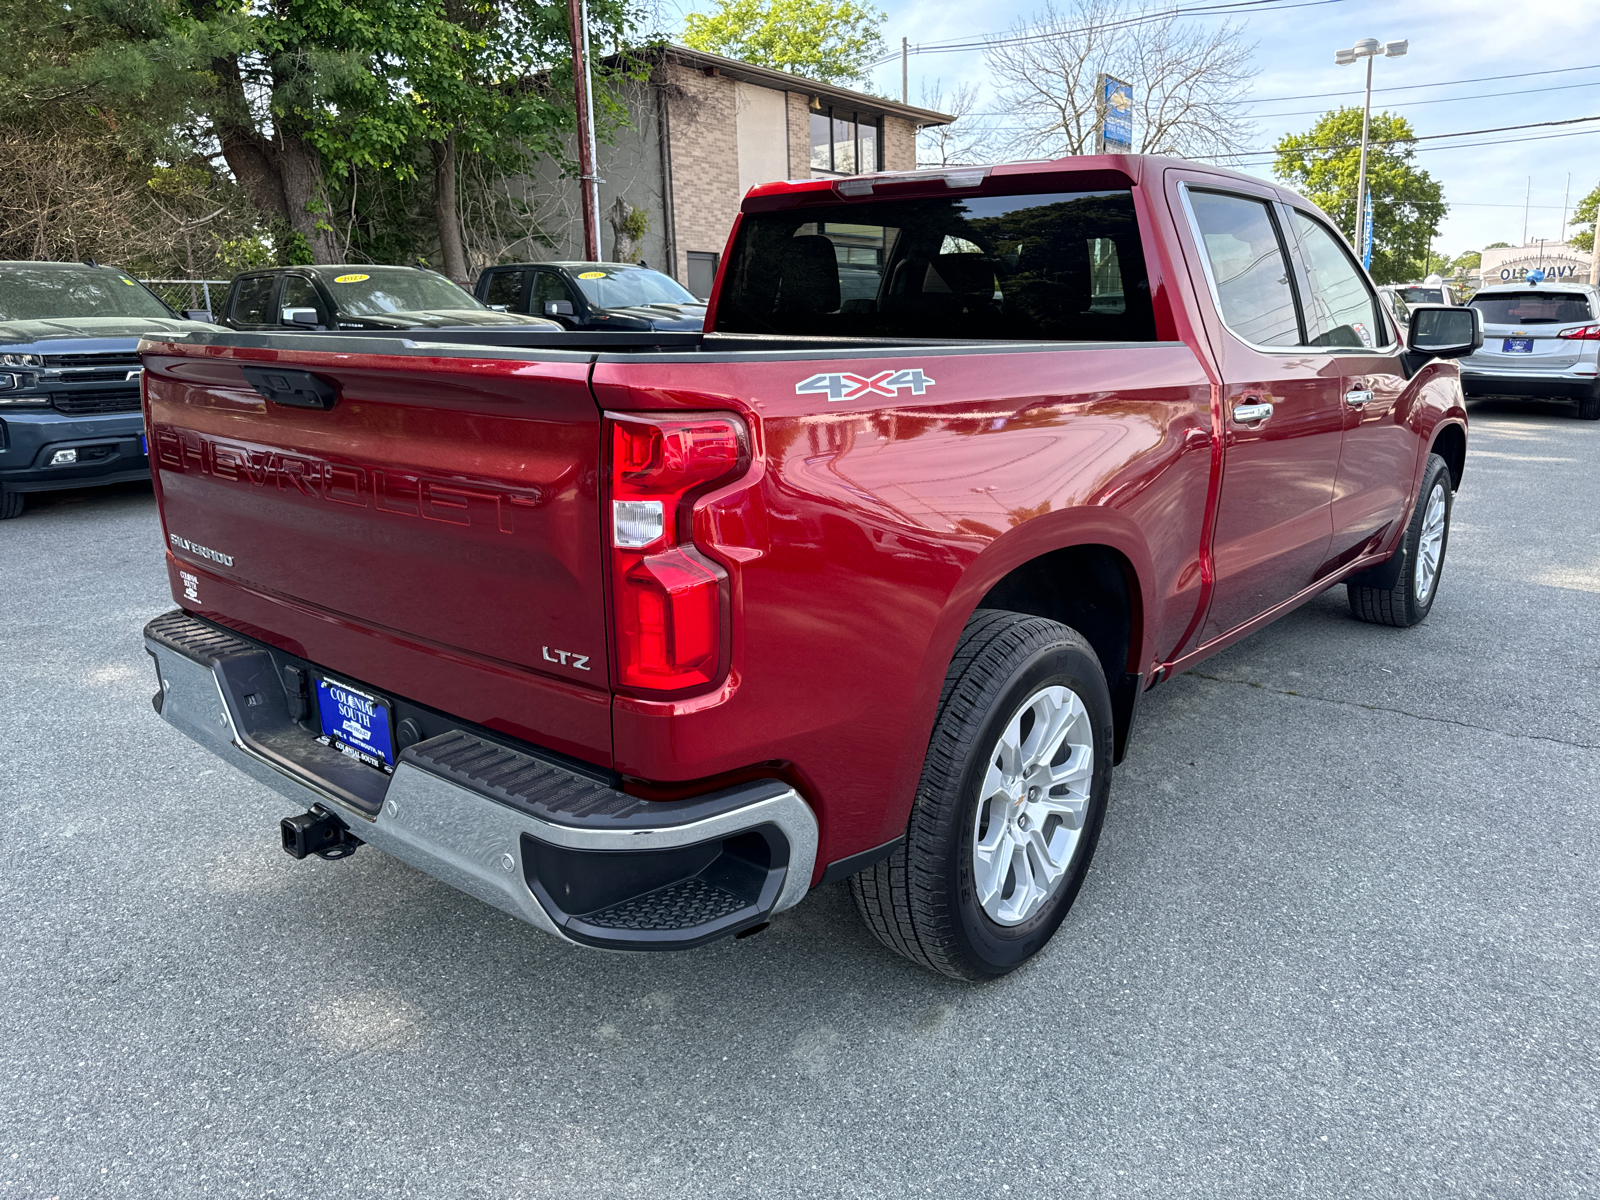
[1407, 203]
[1585, 214]
[829, 40]
[314, 108]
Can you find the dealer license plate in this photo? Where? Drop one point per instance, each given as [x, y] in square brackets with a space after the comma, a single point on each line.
[1518, 346]
[356, 723]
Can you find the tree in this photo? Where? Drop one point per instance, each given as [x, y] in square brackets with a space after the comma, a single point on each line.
[1585, 214]
[1187, 81]
[829, 40]
[962, 141]
[1407, 203]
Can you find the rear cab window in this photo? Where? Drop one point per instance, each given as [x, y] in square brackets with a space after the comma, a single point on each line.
[1066, 266]
[1536, 306]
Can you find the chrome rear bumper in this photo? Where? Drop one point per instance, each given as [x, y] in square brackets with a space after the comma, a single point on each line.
[526, 834]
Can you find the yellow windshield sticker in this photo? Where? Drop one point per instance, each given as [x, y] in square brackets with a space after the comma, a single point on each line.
[592, 275]
[129, 282]
[351, 278]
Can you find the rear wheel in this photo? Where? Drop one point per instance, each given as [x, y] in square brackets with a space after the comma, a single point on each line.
[1009, 807]
[1409, 600]
[10, 504]
[1589, 406]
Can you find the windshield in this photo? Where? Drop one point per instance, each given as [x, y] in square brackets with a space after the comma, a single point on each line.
[624, 289]
[46, 292]
[374, 291]
[1422, 295]
[1533, 308]
[1067, 266]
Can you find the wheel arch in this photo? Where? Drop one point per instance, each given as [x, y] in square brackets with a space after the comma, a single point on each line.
[1450, 444]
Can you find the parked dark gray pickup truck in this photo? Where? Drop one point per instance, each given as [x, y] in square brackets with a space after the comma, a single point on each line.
[69, 376]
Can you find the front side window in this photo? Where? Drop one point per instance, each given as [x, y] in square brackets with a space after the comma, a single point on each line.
[1066, 266]
[45, 291]
[376, 291]
[547, 286]
[505, 287]
[254, 303]
[1533, 307]
[1249, 268]
[1340, 311]
[298, 292]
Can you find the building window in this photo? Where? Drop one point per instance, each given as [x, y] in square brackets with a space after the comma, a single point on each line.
[702, 272]
[845, 142]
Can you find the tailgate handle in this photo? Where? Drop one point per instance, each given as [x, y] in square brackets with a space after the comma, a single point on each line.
[295, 389]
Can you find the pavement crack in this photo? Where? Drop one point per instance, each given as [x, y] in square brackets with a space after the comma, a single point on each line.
[1532, 737]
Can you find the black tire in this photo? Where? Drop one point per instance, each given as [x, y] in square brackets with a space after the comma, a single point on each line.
[1589, 406]
[1398, 604]
[922, 901]
[11, 504]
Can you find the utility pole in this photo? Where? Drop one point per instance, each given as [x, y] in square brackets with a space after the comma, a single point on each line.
[588, 185]
[1565, 196]
[1526, 196]
[905, 71]
[1367, 48]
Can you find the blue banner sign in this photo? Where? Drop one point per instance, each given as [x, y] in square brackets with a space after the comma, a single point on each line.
[1116, 129]
[1366, 240]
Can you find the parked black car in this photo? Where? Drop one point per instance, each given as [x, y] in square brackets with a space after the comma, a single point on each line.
[357, 296]
[593, 295]
[69, 376]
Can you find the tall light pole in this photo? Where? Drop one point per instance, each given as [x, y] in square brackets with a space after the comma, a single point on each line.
[1367, 48]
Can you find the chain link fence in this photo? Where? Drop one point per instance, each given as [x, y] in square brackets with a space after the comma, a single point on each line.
[191, 295]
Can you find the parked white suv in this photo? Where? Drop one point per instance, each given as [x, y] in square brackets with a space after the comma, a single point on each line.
[1540, 342]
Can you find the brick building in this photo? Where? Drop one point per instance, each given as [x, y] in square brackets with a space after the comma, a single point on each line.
[702, 130]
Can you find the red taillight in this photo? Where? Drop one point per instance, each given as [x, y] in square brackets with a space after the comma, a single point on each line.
[668, 596]
[1584, 333]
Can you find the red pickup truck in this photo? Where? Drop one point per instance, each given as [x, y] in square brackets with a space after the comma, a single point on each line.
[640, 637]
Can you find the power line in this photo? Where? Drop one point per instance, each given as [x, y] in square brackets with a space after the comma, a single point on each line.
[1265, 156]
[1230, 8]
[1411, 87]
[1427, 137]
[1566, 87]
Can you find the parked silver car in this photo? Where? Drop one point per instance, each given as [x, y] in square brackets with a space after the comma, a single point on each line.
[1540, 342]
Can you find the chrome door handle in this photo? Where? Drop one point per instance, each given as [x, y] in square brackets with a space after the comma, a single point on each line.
[1357, 398]
[1249, 414]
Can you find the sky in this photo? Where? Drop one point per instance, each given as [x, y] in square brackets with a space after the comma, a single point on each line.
[1534, 41]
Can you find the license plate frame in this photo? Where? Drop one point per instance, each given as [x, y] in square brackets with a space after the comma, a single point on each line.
[1517, 346]
[356, 722]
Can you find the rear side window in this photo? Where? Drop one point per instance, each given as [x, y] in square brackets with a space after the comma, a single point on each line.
[253, 305]
[1533, 308]
[1248, 268]
[1066, 266]
[1340, 311]
[505, 287]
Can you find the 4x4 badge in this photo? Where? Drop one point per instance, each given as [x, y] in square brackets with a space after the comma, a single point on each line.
[853, 387]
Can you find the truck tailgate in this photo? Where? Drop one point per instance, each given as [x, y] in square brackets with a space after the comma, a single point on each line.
[435, 532]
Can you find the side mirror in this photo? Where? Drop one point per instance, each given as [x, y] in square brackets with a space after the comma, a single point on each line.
[1441, 331]
[558, 308]
[197, 314]
[302, 316]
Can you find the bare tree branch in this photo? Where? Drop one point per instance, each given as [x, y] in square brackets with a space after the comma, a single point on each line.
[1188, 81]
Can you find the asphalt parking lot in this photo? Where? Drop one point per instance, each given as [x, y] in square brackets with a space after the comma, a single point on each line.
[1339, 939]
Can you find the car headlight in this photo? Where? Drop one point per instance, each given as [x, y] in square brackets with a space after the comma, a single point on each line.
[22, 360]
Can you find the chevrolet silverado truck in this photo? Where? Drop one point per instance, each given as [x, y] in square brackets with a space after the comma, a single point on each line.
[69, 376]
[641, 637]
